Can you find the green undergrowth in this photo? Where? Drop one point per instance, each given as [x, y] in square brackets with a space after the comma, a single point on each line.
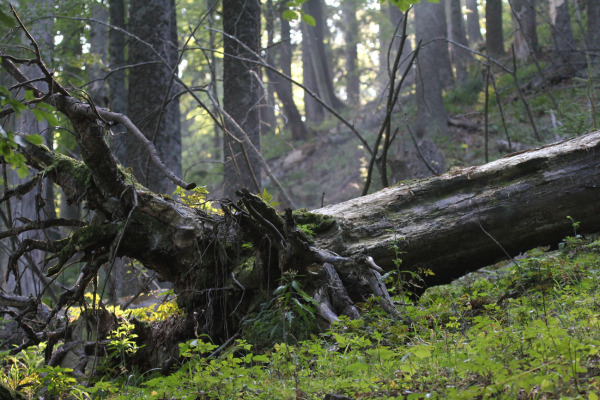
[527, 329]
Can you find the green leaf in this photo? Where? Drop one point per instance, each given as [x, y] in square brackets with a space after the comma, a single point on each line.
[308, 20]
[290, 15]
[39, 114]
[35, 139]
[6, 20]
[29, 95]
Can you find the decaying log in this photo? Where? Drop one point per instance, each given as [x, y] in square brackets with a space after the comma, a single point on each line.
[444, 223]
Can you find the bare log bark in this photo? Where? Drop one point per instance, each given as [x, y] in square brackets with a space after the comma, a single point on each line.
[440, 223]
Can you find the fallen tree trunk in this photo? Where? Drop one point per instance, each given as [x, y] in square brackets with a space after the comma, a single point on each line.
[224, 266]
[467, 219]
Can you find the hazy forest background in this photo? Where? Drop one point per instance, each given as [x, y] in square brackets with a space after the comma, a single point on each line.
[306, 103]
[344, 57]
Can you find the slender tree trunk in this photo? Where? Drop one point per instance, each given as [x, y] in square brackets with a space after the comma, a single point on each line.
[525, 37]
[241, 94]
[351, 37]
[267, 108]
[284, 87]
[494, 37]
[431, 117]
[440, 32]
[117, 93]
[98, 48]
[473, 27]
[151, 102]
[460, 56]
[38, 203]
[316, 69]
[593, 28]
[562, 33]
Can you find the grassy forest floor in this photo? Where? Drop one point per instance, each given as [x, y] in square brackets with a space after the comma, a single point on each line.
[526, 329]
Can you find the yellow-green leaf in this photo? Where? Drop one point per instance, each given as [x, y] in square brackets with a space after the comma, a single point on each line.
[35, 139]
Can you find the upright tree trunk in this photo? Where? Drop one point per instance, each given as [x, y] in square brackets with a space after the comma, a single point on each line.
[38, 203]
[440, 31]
[431, 117]
[525, 37]
[473, 27]
[152, 102]
[460, 56]
[283, 87]
[494, 37]
[351, 37]
[267, 96]
[117, 93]
[241, 94]
[98, 48]
[562, 33]
[316, 69]
[593, 29]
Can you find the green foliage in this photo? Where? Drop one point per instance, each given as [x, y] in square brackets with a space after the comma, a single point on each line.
[268, 198]
[288, 316]
[294, 12]
[195, 198]
[507, 331]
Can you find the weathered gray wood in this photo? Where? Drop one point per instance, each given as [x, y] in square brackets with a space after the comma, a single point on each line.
[440, 223]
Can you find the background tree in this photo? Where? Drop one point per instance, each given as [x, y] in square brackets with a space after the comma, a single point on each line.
[562, 32]
[117, 92]
[593, 28]
[473, 27]
[241, 94]
[494, 36]
[431, 115]
[282, 86]
[460, 57]
[351, 37]
[316, 70]
[525, 36]
[28, 279]
[152, 100]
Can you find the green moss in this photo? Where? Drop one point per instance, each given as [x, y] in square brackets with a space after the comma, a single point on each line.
[84, 239]
[76, 169]
[316, 223]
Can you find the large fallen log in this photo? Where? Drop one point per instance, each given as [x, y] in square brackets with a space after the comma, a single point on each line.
[466, 219]
[225, 265]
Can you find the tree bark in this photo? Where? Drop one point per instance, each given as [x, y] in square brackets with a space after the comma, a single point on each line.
[315, 67]
[431, 113]
[284, 87]
[494, 37]
[117, 93]
[593, 29]
[562, 32]
[473, 27]
[241, 94]
[461, 57]
[351, 38]
[525, 37]
[150, 102]
[98, 48]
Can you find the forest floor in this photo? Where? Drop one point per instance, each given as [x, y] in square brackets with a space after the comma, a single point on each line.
[522, 329]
